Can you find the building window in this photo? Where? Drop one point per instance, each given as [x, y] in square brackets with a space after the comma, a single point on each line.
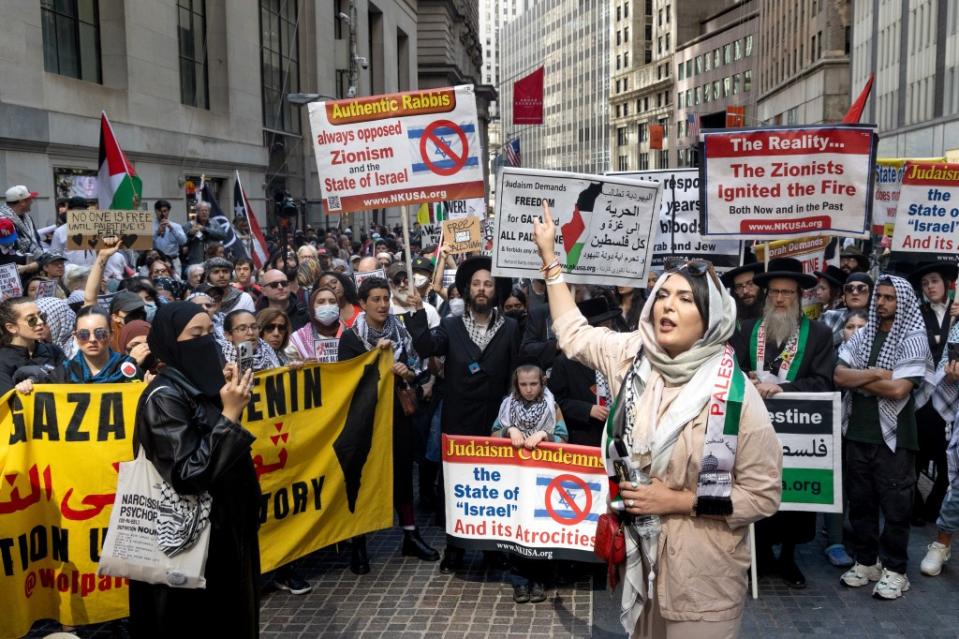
[747, 81]
[664, 122]
[625, 34]
[727, 54]
[716, 93]
[625, 84]
[71, 38]
[727, 86]
[749, 45]
[621, 136]
[707, 92]
[338, 23]
[619, 60]
[626, 60]
[716, 59]
[738, 49]
[642, 132]
[279, 64]
[644, 161]
[689, 68]
[681, 70]
[679, 99]
[619, 37]
[626, 9]
[708, 62]
[191, 31]
[699, 94]
[617, 86]
[623, 163]
[648, 56]
[667, 42]
[664, 159]
[625, 109]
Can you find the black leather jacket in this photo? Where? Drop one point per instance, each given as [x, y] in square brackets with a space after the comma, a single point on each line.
[44, 365]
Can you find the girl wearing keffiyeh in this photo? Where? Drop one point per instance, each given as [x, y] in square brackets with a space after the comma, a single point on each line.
[686, 415]
[880, 365]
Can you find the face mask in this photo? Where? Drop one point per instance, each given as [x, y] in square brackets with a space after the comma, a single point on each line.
[457, 306]
[151, 309]
[517, 314]
[326, 314]
[420, 280]
[205, 368]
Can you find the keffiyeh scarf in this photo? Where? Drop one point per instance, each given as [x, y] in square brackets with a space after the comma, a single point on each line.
[393, 330]
[905, 352]
[263, 359]
[478, 334]
[529, 417]
[60, 320]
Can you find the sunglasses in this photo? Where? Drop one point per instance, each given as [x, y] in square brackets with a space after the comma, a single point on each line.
[271, 328]
[855, 288]
[277, 284]
[99, 334]
[34, 320]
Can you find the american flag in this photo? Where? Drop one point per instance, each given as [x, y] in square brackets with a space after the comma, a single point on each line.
[692, 125]
[513, 157]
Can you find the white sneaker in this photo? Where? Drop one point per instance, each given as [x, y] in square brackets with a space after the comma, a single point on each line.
[860, 575]
[936, 555]
[891, 585]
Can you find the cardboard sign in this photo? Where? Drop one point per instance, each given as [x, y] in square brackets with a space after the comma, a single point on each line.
[678, 234]
[927, 216]
[86, 229]
[809, 428]
[775, 183]
[462, 235]
[431, 235]
[10, 284]
[605, 225]
[401, 148]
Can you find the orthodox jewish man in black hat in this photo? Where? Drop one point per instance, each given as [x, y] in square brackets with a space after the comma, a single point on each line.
[784, 351]
[939, 313]
[749, 297]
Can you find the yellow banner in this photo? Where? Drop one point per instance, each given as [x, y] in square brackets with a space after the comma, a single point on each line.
[323, 454]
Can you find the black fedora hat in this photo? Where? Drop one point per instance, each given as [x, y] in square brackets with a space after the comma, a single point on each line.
[729, 277]
[947, 270]
[598, 310]
[787, 268]
[833, 274]
[464, 275]
[856, 254]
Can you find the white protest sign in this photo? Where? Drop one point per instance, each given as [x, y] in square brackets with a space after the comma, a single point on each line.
[359, 277]
[431, 234]
[540, 504]
[46, 288]
[475, 207]
[776, 183]
[10, 284]
[679, 232]
[397, 149]
[927, 218]
[809, 428]
[605, 225]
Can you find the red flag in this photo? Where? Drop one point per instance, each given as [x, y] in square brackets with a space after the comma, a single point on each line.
[528, 99]
[656, 136]
[241, 205]
[856, 108]
[735, 117]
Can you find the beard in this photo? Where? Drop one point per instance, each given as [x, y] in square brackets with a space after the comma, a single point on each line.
[480, 307]
[781, 324]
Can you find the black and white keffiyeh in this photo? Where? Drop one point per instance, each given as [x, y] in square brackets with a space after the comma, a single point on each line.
[263, 359]
[481, 335]
[529, 417]
[393, 330]
[943, 393]
[905, 352]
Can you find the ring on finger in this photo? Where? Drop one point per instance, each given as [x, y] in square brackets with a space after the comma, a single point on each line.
[629, 503]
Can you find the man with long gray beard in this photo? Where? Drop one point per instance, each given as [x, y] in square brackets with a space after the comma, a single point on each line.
[784, 351]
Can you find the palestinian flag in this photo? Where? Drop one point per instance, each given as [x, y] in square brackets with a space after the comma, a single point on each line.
[573, 238]
[433, 213]
[118, 185]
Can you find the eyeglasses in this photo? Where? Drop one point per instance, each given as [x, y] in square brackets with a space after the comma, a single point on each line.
[99, 334]
[160, 271]
[742, 286]
[272, 328]
[34, 320]
[855, 288]
[277, 284]
[782, 292]
[246, 328]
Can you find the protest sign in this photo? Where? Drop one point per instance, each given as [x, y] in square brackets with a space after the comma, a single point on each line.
[773, 183]
[927, 216]
[449, 277]
[46, 288]
[359, 277]
[885, 193]
[463, 208]
[86, 228]
[809, 427]
[431, 235]
[401, 148]
[10, 284]
[815, 252]
[463, 235]
[539, 504]
[605, 225]
[678, 234]
[323, 456]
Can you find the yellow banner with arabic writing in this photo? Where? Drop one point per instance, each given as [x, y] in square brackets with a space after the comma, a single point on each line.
[323, 455]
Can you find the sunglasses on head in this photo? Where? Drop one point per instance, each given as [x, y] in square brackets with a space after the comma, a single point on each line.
[34, 320]
[278, 284]
[99, 334]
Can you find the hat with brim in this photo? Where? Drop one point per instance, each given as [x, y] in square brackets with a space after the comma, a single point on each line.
[786, 268]
[947, 270]
[729, 277]
[857, 255]
[466, 270]
[598, 310]
[833, 274]
[8, 232]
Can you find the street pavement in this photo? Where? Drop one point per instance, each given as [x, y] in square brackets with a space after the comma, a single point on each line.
[404, 598]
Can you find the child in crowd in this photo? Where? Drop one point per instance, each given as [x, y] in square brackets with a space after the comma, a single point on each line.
[854, 321]
[528, 416]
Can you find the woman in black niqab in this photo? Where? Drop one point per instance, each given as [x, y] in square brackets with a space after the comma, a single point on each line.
[188, 425]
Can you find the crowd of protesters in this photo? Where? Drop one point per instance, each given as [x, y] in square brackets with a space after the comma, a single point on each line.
[887, 339]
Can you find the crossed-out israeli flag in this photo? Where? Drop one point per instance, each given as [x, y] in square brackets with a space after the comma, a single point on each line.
[560, 504]
[444, 142]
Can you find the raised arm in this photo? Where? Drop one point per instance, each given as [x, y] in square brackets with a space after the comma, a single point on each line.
[92, 288]
[544, 234]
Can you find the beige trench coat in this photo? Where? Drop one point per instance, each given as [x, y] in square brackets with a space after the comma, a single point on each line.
[703, 561]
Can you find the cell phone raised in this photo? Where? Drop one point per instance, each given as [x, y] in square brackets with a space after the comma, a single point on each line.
[245, 353]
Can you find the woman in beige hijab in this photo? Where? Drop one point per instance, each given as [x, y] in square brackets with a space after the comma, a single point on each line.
[685, 417]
